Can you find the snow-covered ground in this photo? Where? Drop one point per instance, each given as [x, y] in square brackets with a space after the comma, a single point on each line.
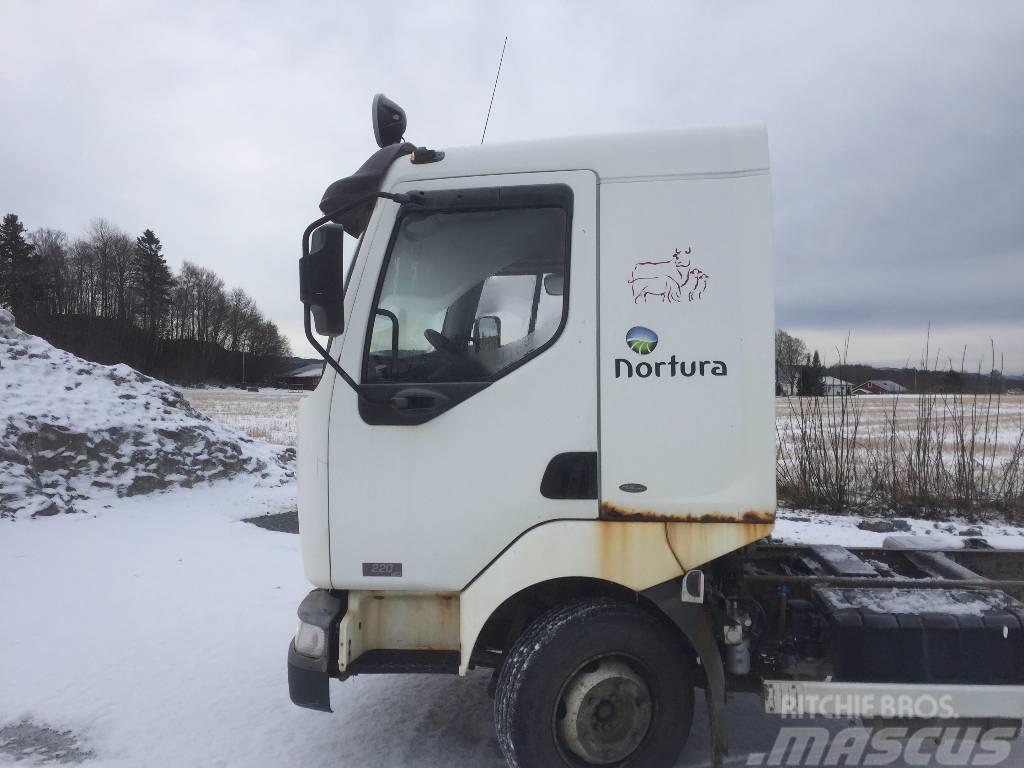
[798, 526]
[155, 632]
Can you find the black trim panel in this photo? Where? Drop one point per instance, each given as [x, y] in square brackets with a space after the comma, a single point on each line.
[571, 476]
[421, 402]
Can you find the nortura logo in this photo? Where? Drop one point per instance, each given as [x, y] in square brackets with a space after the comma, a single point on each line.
[641, 340]
[670, 367]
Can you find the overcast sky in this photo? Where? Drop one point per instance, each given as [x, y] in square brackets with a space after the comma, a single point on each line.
[896, 130]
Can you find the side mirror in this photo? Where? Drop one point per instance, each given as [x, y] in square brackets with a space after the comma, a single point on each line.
[321, 281]
[388, 121]
[554, 285]
[487, 332]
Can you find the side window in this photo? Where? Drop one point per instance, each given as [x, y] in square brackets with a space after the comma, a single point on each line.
[468, 295]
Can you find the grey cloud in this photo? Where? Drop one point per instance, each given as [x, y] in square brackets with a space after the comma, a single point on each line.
[897, 130]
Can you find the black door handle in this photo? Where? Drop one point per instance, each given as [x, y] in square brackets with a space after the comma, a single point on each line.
[420, 402]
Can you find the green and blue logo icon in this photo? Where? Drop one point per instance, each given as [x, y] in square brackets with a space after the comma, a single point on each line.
[641, 340]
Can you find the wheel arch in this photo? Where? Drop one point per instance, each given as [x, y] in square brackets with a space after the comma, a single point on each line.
[514, 614]
[634, 556]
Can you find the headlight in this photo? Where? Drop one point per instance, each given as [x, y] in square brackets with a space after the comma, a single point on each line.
[310, 640]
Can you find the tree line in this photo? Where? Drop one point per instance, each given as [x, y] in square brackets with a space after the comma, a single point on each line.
[801, 372]
[111, 298]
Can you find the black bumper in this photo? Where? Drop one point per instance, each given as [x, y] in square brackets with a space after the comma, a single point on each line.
[309, 678]
[308, 684]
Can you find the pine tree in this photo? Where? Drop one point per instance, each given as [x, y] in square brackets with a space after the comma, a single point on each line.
[817, 376]
[151, 281]
[803, 378]
[19, 271]
[810, 382]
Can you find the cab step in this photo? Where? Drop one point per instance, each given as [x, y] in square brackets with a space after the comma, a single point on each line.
[392, 662]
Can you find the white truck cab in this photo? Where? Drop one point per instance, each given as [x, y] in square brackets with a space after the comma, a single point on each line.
[549, 395]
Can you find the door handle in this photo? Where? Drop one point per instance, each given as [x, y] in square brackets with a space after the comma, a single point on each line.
[419, 401]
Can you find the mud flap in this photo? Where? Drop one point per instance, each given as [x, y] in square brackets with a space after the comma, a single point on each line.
[694, 623]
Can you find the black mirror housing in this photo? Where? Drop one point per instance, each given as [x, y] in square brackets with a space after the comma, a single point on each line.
[321, 279]
[388, 121]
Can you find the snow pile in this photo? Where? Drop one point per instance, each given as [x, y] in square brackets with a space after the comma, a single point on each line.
[71, 429]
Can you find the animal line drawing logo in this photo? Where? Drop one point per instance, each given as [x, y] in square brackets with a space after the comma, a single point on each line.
[668, 280]
[641, 340]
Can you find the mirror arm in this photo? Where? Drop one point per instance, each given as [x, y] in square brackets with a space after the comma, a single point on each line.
[399, 198]
[326, 355]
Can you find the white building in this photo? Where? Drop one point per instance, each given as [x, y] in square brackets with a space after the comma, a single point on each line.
[833, 386]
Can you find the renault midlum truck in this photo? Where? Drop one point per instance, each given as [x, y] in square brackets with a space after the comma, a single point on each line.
[544, 445]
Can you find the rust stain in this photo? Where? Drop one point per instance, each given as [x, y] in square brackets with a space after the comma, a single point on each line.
[610, 511]
[616, 543]
[639, 553]
[410, 621]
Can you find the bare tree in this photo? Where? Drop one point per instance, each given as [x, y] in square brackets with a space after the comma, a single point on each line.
[52, 248]
[790, 353]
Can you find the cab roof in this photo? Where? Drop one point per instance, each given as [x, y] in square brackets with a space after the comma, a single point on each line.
[711, 151]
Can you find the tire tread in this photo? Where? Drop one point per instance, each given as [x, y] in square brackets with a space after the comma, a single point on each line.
[545, 630]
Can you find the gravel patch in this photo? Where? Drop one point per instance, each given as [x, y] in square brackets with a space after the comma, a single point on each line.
[283, 522]
[40, 745]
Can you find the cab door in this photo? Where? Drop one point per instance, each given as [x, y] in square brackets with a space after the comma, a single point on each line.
[473, 332]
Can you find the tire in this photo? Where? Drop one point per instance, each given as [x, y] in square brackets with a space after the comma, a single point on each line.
[573, 648]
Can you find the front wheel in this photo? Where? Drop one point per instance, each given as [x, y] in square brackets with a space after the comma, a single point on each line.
[594, 682]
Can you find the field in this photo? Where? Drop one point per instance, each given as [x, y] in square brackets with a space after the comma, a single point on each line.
[907, 453]
[269, 414]
[879, 412]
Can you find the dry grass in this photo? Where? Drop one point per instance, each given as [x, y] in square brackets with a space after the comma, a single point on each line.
[269, 415]
[931, 454]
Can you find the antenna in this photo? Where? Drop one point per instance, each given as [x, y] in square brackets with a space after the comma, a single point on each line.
[494, 90]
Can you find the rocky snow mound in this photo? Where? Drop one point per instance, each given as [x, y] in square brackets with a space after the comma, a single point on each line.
[71, 429]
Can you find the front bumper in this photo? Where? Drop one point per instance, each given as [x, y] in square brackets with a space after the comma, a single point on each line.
[309, 677]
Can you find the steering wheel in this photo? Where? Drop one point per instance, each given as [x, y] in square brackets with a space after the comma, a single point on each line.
[448, 349]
